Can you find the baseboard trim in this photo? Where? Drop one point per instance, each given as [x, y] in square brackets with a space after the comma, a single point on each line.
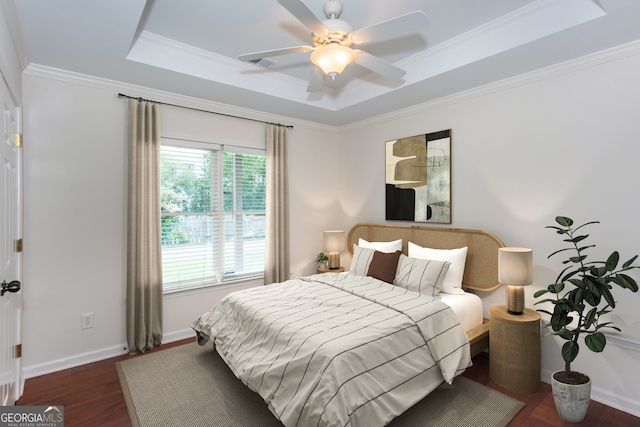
[73, 361]
[95, 356]
[623, 342]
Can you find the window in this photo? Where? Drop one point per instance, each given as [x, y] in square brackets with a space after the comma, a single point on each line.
[213, 214]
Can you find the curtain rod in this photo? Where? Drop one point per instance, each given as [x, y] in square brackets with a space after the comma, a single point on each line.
[121, 95]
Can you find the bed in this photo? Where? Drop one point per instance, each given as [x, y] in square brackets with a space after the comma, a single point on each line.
[350, 349]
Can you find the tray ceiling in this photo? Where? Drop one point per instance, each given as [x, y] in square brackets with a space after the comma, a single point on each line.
[191, 47]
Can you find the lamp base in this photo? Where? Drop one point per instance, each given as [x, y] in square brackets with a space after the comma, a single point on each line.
[515, 300]
[334, 261]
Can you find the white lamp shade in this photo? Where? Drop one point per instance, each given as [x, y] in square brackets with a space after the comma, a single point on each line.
[332, 58]
[334, 241]
[515, 266]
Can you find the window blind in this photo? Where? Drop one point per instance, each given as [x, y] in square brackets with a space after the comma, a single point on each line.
[213, 215]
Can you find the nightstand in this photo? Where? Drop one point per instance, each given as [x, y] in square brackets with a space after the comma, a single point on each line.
[330, 270]
[514, 349]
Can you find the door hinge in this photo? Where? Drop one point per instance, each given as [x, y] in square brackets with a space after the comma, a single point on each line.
[18, 351]
[19, 245]
[17, 139]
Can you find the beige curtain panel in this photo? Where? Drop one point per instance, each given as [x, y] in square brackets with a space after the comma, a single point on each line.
[277, 215]
[144, 251]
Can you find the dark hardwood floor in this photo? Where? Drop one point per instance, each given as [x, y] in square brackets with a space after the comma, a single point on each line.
[91, 396]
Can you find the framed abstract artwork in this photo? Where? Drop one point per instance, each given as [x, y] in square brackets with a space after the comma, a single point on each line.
[418, 178]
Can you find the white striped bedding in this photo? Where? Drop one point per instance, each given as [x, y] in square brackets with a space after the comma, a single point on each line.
[337, 350]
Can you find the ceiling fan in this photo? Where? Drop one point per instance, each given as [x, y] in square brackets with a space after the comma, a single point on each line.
[333, 38]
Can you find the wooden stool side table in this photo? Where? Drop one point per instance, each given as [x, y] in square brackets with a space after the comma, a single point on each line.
[514, 349]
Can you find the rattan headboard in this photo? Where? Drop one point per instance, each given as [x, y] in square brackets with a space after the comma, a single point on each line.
[481, 268]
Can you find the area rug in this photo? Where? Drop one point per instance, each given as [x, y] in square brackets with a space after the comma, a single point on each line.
[191, 386]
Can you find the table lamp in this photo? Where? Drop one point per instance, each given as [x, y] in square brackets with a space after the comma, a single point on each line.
[334, 242]
[515, 270]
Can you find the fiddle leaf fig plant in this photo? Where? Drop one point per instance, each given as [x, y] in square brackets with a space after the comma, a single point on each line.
[582, 292]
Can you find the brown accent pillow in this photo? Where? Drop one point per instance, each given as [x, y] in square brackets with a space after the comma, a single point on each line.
[383, 266]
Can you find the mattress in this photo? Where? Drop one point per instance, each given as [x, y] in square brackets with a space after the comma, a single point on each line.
[467, 307]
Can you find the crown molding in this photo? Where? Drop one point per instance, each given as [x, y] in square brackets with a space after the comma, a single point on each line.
[588, 61]
[166, 97]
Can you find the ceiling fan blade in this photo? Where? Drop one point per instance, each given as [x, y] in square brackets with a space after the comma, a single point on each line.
[305, 15]
[316, 83]
[391, 28]
[378, 65]
[257, 56]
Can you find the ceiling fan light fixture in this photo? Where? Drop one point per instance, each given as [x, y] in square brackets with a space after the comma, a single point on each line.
[332, 58]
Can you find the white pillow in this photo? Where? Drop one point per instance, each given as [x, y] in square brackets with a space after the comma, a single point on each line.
[457, 257]
[421, 275]
[361, 259]
[387, 247]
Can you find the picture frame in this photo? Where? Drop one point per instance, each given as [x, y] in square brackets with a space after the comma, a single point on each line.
[418, 178]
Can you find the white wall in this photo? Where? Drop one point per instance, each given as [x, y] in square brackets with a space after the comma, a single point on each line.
[75, 159]
[524, 151]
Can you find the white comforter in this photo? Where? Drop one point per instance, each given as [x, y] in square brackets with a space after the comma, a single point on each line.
[337, 350]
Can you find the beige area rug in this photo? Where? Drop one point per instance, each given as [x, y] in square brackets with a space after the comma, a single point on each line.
[191, 386]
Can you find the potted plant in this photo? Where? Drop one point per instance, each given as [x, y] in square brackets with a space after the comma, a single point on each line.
[321, 259]
[581, 296]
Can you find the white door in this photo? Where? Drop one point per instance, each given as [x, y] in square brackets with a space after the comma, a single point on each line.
[11, 378]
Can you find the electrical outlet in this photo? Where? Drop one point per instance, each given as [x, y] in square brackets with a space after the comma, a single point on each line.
[86, 321]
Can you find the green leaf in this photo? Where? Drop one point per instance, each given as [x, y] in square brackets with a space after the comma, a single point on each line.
[608, 297]
[592, 282]
[585, 224]
[578, 296]
[566, 334]
[626, 282]
[604, 310]
[555, 288]
[570, 351]
[540, 293]
[612, 261]
[559, 318]
[578, 239]
[578, 283]
[564, 221]
[577, 259]
[592, 294]
[608, 325]
[590, 318]
[631, 261]
[592, 298]
[544, 301]
[595, 341]
[560, 250]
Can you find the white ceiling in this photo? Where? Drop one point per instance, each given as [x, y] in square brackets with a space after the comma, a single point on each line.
[190, 47]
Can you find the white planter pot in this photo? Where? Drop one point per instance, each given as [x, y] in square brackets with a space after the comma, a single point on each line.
[572, 401]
